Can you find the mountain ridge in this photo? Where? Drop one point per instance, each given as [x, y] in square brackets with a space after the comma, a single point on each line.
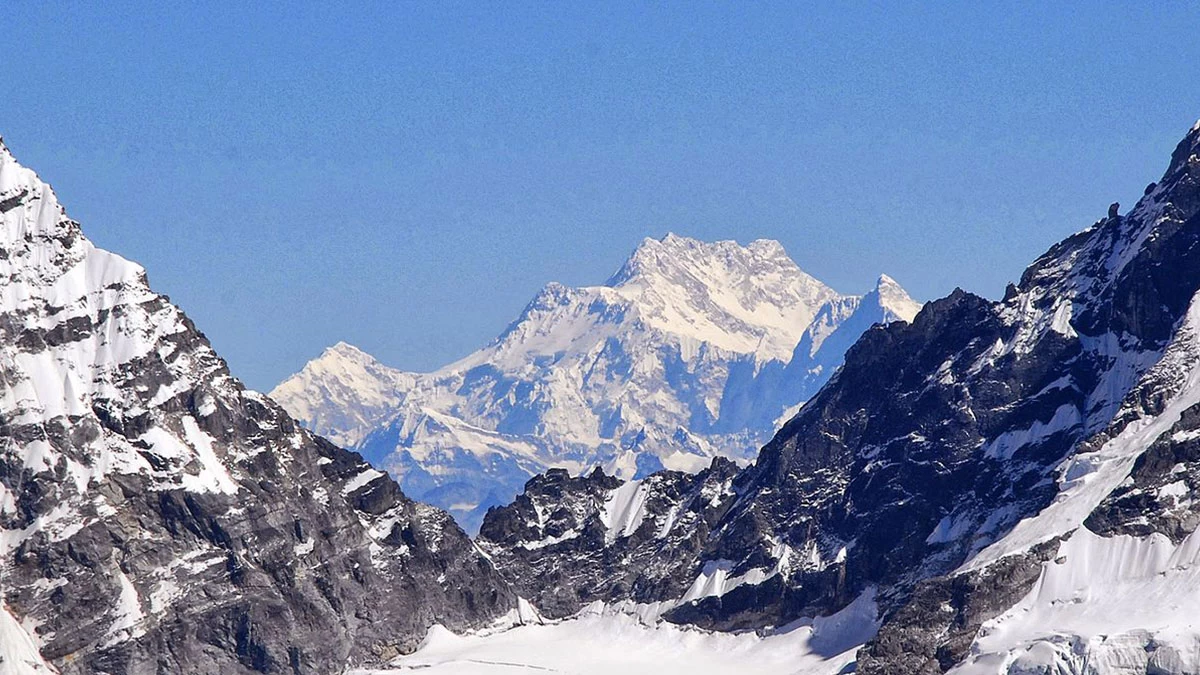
[155, 515]
[682, 356]
[1008, 481]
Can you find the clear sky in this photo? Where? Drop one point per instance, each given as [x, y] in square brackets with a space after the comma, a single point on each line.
[405, 176]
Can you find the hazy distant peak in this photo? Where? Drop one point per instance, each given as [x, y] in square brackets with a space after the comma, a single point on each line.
[674, 254]
[892, 297]
[343, 392]
[767, 248]
[345, 350]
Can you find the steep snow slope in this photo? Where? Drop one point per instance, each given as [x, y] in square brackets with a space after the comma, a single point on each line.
[682, 356]
[750, 299]
[1114, 605]
[1015, 478]
[18, 649]
[157, 516]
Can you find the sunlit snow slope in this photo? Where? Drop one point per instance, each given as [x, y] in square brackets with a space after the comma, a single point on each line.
[602, 641]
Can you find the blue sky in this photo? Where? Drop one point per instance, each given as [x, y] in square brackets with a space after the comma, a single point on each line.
[405, 176]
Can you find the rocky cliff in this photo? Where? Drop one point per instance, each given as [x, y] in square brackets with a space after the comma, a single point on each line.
[156, 516]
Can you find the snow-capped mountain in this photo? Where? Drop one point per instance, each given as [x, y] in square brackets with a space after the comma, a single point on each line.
[1009, 486]
[692, 350]
[996, 487]
[343, 393]
[155, 516]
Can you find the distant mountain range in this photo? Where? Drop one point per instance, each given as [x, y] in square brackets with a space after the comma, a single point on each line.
[691, 351]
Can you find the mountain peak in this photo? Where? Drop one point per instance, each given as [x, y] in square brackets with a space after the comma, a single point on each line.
[14, 177]
[748, 299]
[344, 390]
[894, 300]
[671, 241]
[346, 350]
[674, 255]
[668, 244]
[125, 436]
[767, 248]
[343, 358]
[1187, 149]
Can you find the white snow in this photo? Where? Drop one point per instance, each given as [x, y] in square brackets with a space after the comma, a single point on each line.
[895, 301]
[214, 477]
[127, 615]
[360, 480]
[949, 528]
[342, 393]
[165, 592]
[1105, 606]
[751, 299]
[549, 541]
[601, 642]
[106, 323]
[19, 653]
[1061, 323]
[305, 547]
[714, 580]
[1177, 490]
[1006, 444]
[624, 510]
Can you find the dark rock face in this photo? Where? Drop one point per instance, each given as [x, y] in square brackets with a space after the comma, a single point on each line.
[1157, 498]
[156, 517]
[567, 542]
[929, 446]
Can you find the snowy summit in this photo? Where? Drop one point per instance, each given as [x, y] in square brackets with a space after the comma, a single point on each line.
[692, 350]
